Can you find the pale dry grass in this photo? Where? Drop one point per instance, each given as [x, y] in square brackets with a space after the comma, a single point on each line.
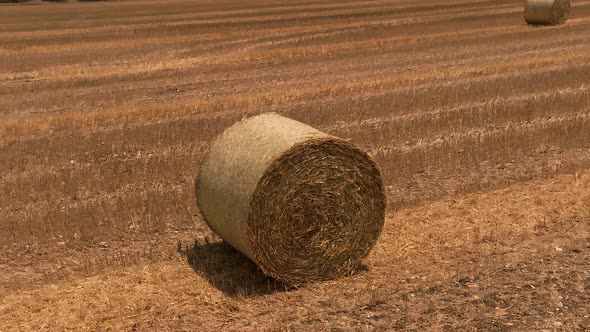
[104, 122]
[425, 244]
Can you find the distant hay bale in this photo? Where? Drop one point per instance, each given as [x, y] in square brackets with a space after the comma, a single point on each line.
[303, 205]
[546, 12]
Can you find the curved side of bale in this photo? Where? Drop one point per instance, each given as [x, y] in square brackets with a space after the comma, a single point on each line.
[234, 165]
[546, 12]
[303, 205]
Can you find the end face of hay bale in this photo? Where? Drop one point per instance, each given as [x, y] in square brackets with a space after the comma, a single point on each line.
[546, 12]
[317, 212]
[303, 205]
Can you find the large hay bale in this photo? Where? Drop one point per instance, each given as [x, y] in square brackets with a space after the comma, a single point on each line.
[303, 205]
[546, 12]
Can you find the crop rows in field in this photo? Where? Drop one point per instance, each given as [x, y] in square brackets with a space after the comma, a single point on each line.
[480, 124]
[449, 98]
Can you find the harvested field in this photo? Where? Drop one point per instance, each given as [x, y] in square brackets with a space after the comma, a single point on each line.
[479, 122]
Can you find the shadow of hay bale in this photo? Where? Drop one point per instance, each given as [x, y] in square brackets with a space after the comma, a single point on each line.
[231, 272]
[228, 270]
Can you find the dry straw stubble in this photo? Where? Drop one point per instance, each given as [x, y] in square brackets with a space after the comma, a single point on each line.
[304, 205]
[546, 12]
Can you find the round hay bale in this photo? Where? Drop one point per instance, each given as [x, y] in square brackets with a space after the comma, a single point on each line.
[303, 205]
[546, 12]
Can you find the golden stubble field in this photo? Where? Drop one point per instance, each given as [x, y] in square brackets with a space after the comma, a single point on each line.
[480, 123]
